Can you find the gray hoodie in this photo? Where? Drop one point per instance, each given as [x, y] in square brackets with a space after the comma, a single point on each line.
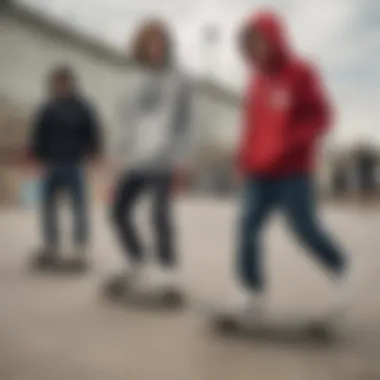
[154, 117]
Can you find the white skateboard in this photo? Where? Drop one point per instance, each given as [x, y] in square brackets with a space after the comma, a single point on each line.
[274, 326]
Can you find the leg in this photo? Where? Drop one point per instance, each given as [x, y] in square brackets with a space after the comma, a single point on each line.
[258, 201]
[298, 201]
[162, 186]
[76, 187]
[127, 193]
[50, 188]
[297, 197]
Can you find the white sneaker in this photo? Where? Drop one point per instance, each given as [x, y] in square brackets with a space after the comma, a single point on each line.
[129, 273]
[245, 306]
[156, 281]
[167, 278]
[342, 294]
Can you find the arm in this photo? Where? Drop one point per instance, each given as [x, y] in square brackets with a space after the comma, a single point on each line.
[313, 114]
[94, 133]
[36, 144]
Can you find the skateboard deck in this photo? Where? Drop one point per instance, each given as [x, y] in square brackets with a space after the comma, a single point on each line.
[274, 326]
[118, 290]
[59, 265]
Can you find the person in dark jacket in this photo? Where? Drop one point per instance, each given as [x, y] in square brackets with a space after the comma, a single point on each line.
[286, 112]
[65, 135]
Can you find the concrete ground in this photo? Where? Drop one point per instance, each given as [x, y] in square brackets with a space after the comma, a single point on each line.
[59, 328]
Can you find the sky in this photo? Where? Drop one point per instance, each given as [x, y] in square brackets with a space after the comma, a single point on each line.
[341, 36]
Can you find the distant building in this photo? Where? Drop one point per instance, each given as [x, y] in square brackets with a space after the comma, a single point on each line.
[356, 172]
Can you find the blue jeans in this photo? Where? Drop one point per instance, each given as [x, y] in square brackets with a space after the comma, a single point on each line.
[295, 197]
[67, 179]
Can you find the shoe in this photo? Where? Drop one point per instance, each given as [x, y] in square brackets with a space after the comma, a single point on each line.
[155, 282]
[129, 273]
[245, 307]
[166, 279]
[124, 280]
[46, 257]
[342, 295]
[79, 261]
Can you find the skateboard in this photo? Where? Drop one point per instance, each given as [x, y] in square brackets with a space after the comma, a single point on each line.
[58, 265]
[275, 326]
[120, 290]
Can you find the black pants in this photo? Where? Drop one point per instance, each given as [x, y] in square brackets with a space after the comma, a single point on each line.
[130, 187]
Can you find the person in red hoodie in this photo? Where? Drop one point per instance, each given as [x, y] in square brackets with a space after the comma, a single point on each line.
[285, 114]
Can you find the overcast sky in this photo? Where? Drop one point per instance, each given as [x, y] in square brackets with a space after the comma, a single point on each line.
[343, 36]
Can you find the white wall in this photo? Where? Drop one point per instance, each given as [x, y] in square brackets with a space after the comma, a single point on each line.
[219, 122]
[27, 55]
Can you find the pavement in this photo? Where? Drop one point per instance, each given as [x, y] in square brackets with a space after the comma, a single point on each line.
[54, 328]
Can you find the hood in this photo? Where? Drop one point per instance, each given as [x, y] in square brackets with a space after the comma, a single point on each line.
[270, 26]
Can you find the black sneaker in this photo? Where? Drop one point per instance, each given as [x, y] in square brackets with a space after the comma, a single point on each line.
[45, 259]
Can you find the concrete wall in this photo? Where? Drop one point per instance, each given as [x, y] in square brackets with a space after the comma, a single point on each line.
[219, 123]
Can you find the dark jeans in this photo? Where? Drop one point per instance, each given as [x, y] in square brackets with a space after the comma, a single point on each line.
[67, 179]
[295, 196]
[130, 187]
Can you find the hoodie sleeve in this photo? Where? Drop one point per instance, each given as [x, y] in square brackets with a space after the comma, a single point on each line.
[94, 132]
[183, 126]
[312, 113]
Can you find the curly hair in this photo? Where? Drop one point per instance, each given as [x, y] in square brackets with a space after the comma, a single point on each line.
[152, 28]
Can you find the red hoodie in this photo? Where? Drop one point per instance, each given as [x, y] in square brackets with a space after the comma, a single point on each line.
[285, 109]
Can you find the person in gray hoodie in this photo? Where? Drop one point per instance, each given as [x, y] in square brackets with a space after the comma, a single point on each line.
[152, 142]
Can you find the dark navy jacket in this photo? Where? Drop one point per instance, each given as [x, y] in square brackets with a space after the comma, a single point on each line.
[66, 131]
